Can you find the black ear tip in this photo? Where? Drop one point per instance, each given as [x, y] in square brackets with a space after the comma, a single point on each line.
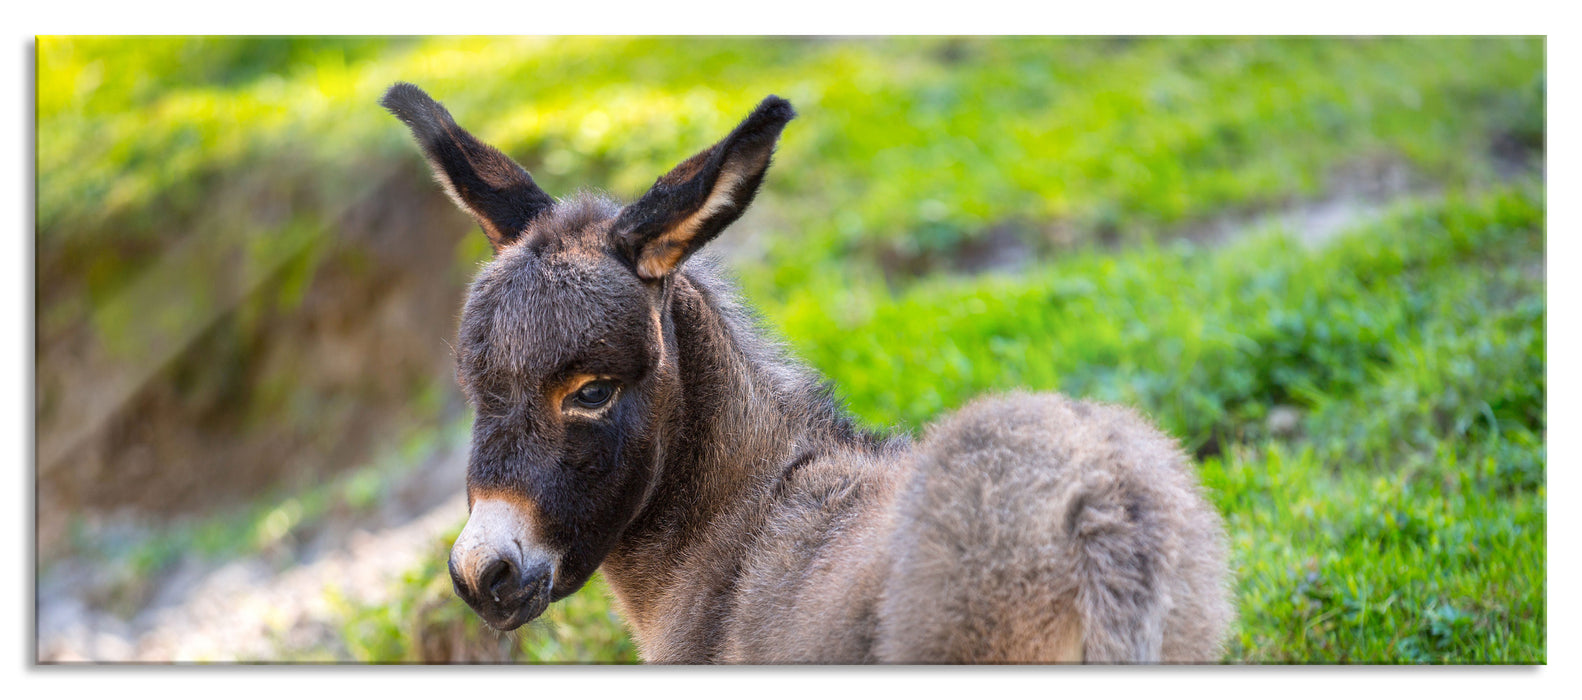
[776, 108]
[408, 102]
[402, 93]
[769, 117]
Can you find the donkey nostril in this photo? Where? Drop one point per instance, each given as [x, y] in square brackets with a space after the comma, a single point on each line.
[496, 575]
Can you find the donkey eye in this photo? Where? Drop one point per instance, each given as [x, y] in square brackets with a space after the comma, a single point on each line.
[594, 394]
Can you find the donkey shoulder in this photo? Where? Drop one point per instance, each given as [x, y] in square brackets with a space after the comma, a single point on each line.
[813, 576]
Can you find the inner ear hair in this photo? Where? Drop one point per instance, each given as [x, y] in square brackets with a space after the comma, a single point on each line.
[695, 201]
[481, 180]
[664, 252]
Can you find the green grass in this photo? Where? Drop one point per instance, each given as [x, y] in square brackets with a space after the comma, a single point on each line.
[1402, 520]
[1421, 565]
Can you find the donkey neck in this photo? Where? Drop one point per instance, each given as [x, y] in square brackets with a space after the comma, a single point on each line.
[745, 410]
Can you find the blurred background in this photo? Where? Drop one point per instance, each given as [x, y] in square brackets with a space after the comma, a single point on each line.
[1319, 262]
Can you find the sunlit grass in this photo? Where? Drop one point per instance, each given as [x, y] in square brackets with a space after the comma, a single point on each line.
[918, 142]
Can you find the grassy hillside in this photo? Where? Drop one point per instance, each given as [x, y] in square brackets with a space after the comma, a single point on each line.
[234, 239]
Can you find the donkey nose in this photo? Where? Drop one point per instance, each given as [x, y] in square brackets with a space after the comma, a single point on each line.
[499, 580]
[498, 569]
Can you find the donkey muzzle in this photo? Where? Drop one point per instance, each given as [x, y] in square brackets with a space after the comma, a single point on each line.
[505, 582]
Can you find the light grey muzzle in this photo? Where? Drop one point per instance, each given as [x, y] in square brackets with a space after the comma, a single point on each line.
[498, 567]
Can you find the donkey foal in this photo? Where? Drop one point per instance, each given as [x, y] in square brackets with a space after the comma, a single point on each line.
[631, 415]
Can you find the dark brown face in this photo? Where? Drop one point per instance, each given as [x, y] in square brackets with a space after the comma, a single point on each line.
[561, 355]
[563, 351]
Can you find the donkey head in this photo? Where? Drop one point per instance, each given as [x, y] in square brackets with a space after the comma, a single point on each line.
[566, 351]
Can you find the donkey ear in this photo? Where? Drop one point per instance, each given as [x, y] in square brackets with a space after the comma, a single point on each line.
[480, 179]
[691, 204]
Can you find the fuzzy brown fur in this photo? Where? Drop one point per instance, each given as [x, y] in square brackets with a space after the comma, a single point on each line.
[737, 512]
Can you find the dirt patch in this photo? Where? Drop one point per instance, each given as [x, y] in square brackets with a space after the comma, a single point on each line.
[1358, 192]
[1004, 247]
